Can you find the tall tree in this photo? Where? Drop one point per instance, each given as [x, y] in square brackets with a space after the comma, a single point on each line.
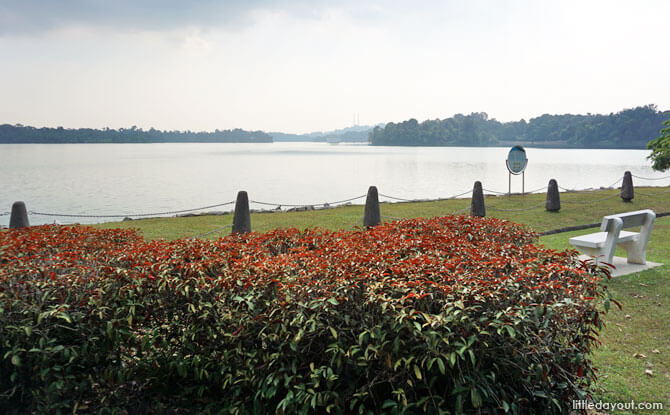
[660, 149]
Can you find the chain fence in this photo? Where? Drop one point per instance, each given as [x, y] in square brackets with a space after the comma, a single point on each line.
[279, 206]
[516, 210]
[650, 178]
[214, 231]
[458, 212]
[392, 217]
[400, 199]
[591, 190]
[325, 204]
[586, 202]
[129, 215]
[652, 194]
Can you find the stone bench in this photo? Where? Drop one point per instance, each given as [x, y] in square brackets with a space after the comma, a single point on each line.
[601, 245]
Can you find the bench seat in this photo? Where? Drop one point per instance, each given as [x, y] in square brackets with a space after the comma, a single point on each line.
[601, 245]
[597, 240]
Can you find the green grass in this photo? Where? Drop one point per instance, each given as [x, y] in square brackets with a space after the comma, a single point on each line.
[577, 208]
[640, 327]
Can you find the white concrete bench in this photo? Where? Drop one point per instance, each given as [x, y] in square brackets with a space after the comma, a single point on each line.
[601, 245]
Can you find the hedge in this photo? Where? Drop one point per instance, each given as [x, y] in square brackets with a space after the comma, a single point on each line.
[447, 315]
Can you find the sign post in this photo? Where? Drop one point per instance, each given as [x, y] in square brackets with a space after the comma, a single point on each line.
[516, 164]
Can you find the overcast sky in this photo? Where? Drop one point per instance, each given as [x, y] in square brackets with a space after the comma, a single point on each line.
[310, 65]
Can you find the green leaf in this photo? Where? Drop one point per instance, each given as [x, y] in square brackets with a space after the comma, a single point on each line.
[475, 398]
[16, 360]
[540, 394]
[389, 404]
[440, 364]
[511, 331]
[333, 332]
[417, 372]
[333, 301]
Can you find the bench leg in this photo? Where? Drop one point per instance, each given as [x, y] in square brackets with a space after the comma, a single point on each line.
[635, 252]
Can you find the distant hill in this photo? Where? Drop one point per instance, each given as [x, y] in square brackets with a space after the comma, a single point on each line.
[357, 133]
[15, 134]
[630, 128]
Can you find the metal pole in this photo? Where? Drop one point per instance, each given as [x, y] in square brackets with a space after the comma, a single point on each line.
[509, 183]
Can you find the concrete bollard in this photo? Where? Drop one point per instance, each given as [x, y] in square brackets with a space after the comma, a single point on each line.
[553, 203]
[19, 216]
[372, 216]
[477, 207]
[242, 218]
[627, 192]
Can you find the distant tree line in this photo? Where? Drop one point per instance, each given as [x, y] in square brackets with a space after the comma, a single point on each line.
[24, 134]
[630, 128]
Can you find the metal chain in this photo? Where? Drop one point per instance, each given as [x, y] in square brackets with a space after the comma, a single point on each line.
[32, 212]
[652, 194]
[516, 210]
[397, 198]
[422, 200]
[537, 190]
[358, 223]
[617, 181]
[597, 190]
[591, 201]
[344, 201]
[215, 230]
[458, 195]
[392, 217]
[650, 178]
[494, 192]
[305, 205]
[461, 211]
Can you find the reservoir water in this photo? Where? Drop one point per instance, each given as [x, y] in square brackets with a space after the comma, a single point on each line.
[129, 179]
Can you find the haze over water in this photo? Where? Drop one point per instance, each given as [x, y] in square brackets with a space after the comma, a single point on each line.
[127, 179]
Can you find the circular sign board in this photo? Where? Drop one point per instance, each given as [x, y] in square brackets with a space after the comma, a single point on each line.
[516, 160]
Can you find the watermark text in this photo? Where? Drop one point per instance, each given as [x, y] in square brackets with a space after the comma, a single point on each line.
[616, 406]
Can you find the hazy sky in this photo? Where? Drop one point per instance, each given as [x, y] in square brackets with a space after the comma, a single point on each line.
[309, 65]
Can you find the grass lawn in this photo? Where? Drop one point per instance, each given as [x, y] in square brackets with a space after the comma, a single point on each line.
[635, 339]
[577, 208]
[641, 327]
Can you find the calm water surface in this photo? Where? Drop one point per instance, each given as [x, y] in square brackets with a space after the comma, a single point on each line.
[126, 179]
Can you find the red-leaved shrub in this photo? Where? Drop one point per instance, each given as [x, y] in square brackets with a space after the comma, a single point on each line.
[447, 315]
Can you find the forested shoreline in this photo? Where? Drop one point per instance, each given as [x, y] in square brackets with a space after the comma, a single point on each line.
[630, 128]
[19, 134]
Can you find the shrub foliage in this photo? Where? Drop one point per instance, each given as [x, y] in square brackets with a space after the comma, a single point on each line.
[448, 315]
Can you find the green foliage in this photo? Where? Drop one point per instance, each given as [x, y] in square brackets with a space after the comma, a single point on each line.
[11, 134]
[640, 327]
[660, 154]
[449, 315]
[630, 128]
